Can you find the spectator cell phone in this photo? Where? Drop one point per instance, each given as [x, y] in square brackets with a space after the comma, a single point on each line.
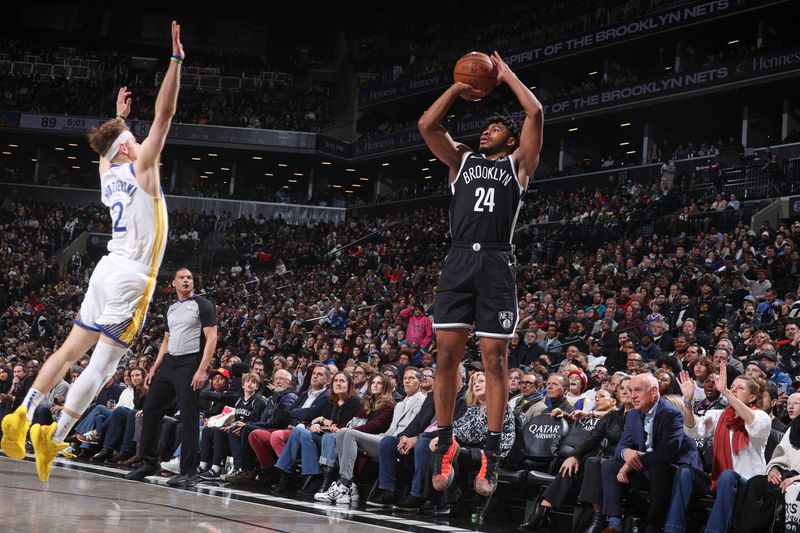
[781, 388]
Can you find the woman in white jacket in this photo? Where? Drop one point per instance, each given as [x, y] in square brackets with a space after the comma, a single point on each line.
[786, 457]
[759, 497]
[740, 435]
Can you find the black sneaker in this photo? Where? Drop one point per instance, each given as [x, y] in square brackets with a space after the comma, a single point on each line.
[117, 457]
[144, 471]
[184, 480]
[412, 503]
[486, 480]
[384, 498]
[284, 485]
[211, 475]
[102, 455]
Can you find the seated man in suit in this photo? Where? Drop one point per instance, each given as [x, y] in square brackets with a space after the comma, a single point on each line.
[650, 448]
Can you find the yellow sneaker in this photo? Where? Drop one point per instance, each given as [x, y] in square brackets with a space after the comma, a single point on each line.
[45, 449]
[15, 428]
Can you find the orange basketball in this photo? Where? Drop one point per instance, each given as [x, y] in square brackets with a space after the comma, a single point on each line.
[476, 69]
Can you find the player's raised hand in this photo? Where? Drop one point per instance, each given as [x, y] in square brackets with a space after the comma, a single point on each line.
[177, 47]
[123, 103]
[503, 70]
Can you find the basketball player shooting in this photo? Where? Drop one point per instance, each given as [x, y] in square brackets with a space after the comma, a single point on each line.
[478, 284]
[121, 285]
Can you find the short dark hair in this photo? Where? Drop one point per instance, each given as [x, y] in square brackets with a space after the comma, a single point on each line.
[506, 120]
[175, 275]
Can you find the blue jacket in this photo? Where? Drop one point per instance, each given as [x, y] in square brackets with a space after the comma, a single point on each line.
[670, 443]
[276, 411]
[778, 377]
[299, 414]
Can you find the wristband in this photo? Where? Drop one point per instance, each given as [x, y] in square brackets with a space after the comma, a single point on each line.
[176, 59]
[120, 115]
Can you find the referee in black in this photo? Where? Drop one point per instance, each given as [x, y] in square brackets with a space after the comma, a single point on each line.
[181, 369]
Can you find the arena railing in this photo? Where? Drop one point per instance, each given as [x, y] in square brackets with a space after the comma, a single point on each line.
[292, 213]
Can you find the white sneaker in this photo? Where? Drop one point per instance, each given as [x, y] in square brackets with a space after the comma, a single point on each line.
[354, 497]
[340, 494]
[173, 465]
[325, 496]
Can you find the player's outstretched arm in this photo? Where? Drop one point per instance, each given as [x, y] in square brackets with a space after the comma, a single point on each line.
[436, 137]
[146, 165]
[530, 142]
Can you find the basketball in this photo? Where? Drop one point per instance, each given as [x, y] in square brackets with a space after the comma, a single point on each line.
[476, 69]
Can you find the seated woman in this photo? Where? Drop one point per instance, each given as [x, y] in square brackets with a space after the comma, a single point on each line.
[374, 418]
[304, 442]
[470, 431]
[740, 436]
[760, 495]
[119, 428]
[599, 445]
[214, 441]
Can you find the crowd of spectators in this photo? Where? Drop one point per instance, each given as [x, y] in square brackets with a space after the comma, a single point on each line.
[304, 301]
[274, 104]
[399, 54]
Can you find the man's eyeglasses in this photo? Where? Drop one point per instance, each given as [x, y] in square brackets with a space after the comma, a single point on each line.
[527, 383]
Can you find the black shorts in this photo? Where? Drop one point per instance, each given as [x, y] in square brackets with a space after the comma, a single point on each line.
[478, 286]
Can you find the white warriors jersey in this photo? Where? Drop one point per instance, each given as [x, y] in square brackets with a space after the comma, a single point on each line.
[139, 224]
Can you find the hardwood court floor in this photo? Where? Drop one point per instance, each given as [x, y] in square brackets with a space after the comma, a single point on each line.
[86, 499]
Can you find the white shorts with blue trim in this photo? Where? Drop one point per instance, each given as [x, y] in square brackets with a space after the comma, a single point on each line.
[117, 299]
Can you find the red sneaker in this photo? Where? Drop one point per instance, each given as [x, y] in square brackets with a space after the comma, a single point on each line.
[443, 467]
[486, 480]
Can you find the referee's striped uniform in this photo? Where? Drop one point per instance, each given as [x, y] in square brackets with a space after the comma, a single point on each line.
[185, 322]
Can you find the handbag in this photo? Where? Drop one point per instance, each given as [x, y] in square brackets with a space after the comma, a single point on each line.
[356, 421]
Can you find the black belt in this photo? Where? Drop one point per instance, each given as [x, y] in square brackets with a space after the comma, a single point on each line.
[180, 356]
[483, 246]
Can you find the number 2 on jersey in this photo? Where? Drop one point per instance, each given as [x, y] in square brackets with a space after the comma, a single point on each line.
[485, 199]
[118, 215]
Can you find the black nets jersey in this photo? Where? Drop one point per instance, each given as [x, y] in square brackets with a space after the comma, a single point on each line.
[487, 196]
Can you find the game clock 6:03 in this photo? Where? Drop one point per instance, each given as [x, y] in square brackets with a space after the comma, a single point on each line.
[59, 123]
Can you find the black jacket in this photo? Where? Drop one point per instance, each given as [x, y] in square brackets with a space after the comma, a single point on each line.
[276, 410]
[603, 437]
[426, 413]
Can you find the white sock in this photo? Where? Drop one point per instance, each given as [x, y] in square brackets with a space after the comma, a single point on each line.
[203, 465]
[216, 469]
[65, 423]
[101, 367]
[32, 401]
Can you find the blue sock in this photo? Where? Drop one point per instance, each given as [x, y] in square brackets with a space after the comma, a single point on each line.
[615, 522]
